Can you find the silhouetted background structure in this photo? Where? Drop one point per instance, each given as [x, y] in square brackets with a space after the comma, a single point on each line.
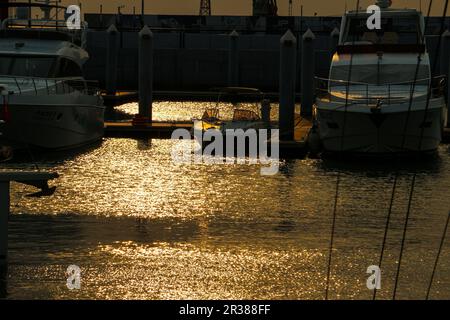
[191, 52]
[205, 7]
[3, 11]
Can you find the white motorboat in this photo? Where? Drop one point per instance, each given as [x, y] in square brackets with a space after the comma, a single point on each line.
[380, 97]
[49, 104]
[251, 112]
[244, 117]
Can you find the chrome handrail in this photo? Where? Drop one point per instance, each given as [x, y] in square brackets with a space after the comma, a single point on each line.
[435, 84]
[365, 83]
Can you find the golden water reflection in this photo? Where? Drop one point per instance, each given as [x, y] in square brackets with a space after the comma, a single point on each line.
[142, 227]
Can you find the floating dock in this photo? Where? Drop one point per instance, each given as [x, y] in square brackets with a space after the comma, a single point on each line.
[164, 130]
[155, 129]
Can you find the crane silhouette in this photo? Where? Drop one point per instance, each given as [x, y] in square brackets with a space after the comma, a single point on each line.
[205, 7]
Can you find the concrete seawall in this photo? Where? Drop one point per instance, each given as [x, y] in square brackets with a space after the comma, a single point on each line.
[198, 60]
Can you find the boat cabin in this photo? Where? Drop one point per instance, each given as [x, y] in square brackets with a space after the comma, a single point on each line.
[381, 62]
[398, 27]
[35, 42]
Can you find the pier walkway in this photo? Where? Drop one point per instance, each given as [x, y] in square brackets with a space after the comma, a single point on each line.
[164, 130]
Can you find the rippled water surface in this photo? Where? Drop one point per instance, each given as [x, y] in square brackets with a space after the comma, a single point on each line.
[142, 227]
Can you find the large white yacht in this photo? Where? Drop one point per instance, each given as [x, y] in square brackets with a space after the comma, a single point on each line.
[49, 104]
[380, 97]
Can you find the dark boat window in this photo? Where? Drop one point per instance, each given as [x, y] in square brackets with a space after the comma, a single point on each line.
[26, 66]
[394, 30]
[68, 68]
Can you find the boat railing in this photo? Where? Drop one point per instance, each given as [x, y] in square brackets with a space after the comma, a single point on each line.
[78, 36]
[54, 17]
[51, 14]
[15, 23]
[49, 86]
[371, 94]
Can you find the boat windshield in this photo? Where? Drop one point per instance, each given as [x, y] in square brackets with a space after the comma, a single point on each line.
[381, 74]
[403, 30]
[26, 66]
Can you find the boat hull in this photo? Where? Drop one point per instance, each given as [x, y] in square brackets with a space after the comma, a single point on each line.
[383, 132]
[54, 124]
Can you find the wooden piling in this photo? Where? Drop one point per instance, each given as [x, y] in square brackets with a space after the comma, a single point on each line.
[308, 73]
[233, 60]
[112, 57]
[445, 53]
[288, 61]
[445, 66]
[145, 73]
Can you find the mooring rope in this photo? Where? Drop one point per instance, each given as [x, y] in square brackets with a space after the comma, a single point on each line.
[405, 229]
[441, 246]
[397, 277]
[416, 75]
[436, 57]
[437, 53]
[333, 227]
[338, 180]
[395, 184]
[386, 229]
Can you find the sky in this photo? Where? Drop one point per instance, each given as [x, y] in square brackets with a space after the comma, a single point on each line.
[244, 7]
